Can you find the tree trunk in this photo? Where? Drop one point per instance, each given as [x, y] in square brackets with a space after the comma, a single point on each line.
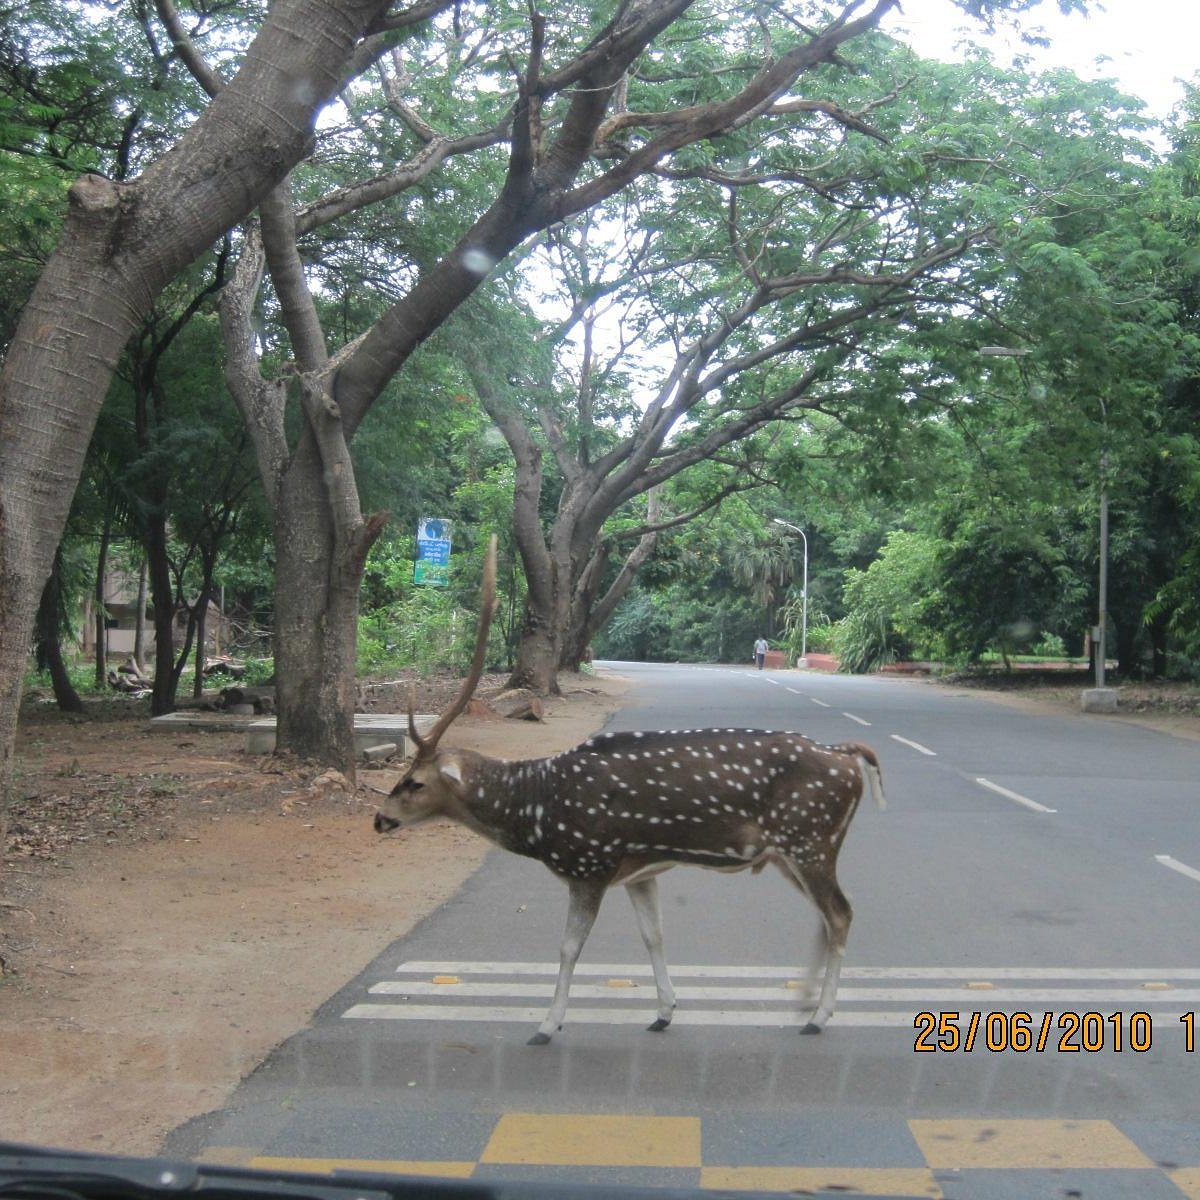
[162, 593]
[538, 656]
[201, 640]
[100, 612]
[318, 576]
[121, 245]
[1159, 630]
[139, 628]
[51, 620]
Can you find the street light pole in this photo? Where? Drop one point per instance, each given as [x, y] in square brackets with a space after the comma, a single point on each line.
[804, 593]
[1102, 627]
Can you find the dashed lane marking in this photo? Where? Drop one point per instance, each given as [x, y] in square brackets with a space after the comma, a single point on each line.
[852, 717]
[914, 745]
[1016, 796]
[1175, 865]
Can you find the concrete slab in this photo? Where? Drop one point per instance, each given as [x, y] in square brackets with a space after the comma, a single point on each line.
[370, 729]
[1100, 700]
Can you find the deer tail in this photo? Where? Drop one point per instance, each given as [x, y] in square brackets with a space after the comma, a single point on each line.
[872, 776]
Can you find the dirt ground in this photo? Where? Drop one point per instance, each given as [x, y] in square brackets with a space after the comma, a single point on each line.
[172, 908]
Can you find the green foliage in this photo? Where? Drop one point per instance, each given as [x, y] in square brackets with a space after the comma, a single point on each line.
[404, 625]
[889, 606]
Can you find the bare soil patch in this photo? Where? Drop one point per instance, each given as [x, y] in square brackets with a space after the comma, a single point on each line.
[172, 908]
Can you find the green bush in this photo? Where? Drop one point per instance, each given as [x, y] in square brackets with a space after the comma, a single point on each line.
[888, 606]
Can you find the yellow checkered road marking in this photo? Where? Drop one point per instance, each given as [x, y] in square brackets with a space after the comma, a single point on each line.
[975, 1144]
[554, 1139]
[542, 1141]
[867, 1181]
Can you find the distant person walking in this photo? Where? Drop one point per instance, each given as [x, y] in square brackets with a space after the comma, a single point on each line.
[760, 652]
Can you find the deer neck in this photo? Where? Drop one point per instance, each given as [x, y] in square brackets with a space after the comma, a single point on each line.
[505, 802]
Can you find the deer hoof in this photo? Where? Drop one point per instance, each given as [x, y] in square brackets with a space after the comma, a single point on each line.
[811, 1027]
[659, 1025]
[539, 1039]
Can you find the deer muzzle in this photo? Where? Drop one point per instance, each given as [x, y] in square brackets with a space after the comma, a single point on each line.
[385, 824]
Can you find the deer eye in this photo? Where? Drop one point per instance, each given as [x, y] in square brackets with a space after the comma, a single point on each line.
[412, 785]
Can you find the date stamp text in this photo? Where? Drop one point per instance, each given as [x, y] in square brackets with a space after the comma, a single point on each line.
[1065, 1032]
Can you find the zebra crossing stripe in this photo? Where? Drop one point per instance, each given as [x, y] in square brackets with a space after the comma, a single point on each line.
[1087, 997]
[611, 1016]
[464, 967]
[762, 996]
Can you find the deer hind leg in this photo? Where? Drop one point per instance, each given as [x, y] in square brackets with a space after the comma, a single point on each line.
[582, 908]
[836, 914]
[644, 896]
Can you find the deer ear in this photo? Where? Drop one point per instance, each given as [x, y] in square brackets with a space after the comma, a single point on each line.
[450, 770]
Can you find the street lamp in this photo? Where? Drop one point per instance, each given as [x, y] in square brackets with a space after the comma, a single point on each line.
[804, 593]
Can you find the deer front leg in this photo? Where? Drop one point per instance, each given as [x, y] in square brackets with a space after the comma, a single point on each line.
[644, 896]
[582, 908]
[836, 915]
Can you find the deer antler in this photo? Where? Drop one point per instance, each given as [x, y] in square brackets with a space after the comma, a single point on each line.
[487, 607]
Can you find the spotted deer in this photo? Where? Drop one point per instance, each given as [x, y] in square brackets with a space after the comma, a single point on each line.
[623, 807]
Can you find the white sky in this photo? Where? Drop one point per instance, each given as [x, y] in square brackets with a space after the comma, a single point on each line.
[1149, 44]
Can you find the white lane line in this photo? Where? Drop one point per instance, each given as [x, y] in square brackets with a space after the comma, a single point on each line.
[782, 994]
[1175, 865]
[1025, 800]
[852, 717]
[820, 702]
[615, 1016]
[795, 691]
[626, 970]
[915, 745]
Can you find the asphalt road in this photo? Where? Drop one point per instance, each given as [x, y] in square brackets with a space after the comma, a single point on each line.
[1033, 887]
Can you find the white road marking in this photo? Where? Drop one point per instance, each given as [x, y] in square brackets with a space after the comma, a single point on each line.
[1175, 865]
[1093, 998]
[1025, 800]
[772, 1003]
[625, 970]
[915, 745]
[613, 1016]
[820, 702]
[852, 717]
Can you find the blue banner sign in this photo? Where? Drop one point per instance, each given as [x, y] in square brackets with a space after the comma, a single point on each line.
[433, 552]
